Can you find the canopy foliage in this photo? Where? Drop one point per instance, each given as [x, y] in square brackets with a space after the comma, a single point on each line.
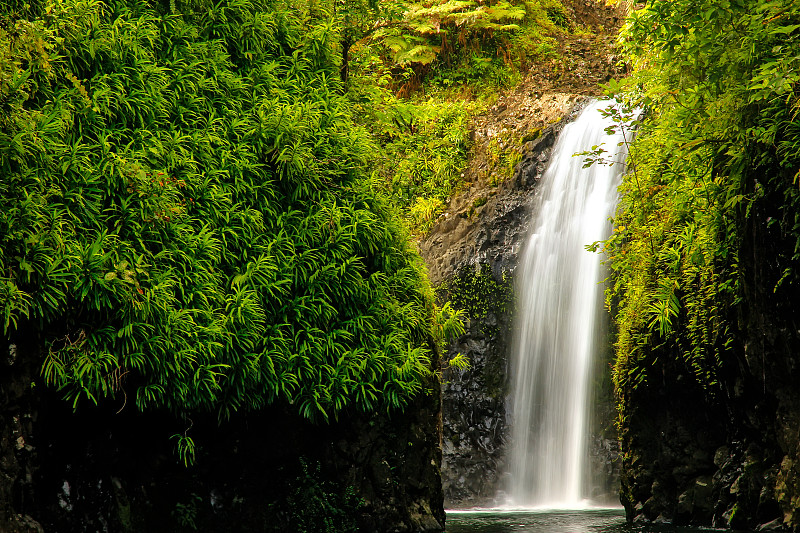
[186, 217]
[717, 154]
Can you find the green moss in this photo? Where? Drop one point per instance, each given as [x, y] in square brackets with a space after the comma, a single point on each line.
[531, 135]
[502, 155]
[479, 294]
[479, 201]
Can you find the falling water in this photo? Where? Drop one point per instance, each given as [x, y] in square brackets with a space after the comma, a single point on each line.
[558, 307]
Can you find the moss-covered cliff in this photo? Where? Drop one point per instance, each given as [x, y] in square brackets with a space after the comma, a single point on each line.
[705, 266]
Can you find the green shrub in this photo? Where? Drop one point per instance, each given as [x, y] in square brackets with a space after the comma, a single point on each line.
[424, 149]
[186, 219]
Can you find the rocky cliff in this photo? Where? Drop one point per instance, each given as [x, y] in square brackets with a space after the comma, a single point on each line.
[472, 255]
[99, 470]
[727, 459]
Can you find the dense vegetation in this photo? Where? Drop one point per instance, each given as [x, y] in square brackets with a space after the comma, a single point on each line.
[716, 157]
[421, 71]
[193, 195]
[187, 219]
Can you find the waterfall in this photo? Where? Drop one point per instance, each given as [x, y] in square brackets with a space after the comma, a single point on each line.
[558, 307]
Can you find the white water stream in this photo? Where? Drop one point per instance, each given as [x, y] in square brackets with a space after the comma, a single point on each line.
[559, 304]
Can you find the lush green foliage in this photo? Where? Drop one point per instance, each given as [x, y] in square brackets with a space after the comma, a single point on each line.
[432, 28]
[185, 214]
[718, 153]
[425, 144]
[494, 58]
[454, 42]
[421, 73]
[449, 31]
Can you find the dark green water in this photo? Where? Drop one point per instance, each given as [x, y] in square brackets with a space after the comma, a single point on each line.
[589, 521]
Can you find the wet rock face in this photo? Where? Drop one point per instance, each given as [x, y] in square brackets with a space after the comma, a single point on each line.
[670, 433]
[604, 458]
[475, 426]
[695, 460]
[471, 256]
